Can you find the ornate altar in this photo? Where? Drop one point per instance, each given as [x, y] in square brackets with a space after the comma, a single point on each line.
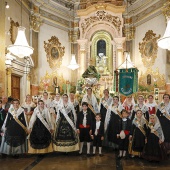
[54, 83]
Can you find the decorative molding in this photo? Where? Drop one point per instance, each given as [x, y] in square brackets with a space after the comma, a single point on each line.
[103, 17]
[91, 6]
[149, 48]
[13, 30]
[166, 9]
[54, 52]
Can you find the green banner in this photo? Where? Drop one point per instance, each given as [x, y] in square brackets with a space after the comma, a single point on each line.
[128, 81]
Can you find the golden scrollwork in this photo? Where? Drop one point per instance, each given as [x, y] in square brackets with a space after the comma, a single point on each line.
[152, 79]
[86, 3]
[13, 30]
[149, 48]
[54, 52]
[47, 82]
[101, 16]
[35, 22]
[166, 9]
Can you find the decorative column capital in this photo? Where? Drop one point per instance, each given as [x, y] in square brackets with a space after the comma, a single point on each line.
[83, 44]
[8, 71]
[119, 42]
[35, 22]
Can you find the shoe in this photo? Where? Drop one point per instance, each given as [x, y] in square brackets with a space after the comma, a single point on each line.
[80, 153]
[88, 155]
[101, 155]
[93, 154]
[119, 157]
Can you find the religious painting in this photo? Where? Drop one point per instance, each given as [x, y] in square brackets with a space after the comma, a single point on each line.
[54, 52]
[149, 48]
[13, 30]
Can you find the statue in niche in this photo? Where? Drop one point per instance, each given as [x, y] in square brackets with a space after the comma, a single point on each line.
[149, 79]
[101, 60]
[55, 84]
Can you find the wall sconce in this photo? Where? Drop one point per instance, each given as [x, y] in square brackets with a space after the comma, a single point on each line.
[6, 5]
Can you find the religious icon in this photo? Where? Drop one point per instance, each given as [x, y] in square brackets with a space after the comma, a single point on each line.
[148, 79]
[54, 52]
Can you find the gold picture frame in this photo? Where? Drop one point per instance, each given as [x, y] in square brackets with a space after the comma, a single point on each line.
[13, 30]
[54, 52]
[149, 48]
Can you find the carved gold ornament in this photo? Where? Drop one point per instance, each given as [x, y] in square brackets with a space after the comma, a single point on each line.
[54, 52]
[35, 22]
[149, 48]
[151, 79]
[13, 30]
[101, 16]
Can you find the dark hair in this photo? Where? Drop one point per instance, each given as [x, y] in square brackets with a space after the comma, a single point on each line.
[105, 90]
[116, 97]
[85, 103]
[0, 101]
[45, 93]
[16, 100]
[166, 95]
[150, 96]
[40, 101]
[65, 95]
[98, 114]
[89, 88]
[124, 111]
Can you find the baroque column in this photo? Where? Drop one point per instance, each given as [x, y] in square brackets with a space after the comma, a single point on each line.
[119, 49]
[82, 56]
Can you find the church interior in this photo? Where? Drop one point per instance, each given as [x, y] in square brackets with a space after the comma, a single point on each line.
[50, 46]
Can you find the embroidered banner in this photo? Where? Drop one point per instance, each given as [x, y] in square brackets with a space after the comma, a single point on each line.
[128, 81]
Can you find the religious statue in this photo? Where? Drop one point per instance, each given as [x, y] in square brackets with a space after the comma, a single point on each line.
[91, 75]
[55, 84]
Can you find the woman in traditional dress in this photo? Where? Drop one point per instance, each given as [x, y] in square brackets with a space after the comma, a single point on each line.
[163, 114]
[46, 100]
[66, 137]
[138, 134]
[40, 129]
[15, 131]
[113, 116]
[75, 103]
[54, 109]
[151, 104]
[128, 104]
[92, 102]
[105, 102]
[28, 107]
[141, 106]
[2, 119]
[154, 149]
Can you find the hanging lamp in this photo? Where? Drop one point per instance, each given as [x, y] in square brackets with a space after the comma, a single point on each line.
[21, 47]
[73, 64]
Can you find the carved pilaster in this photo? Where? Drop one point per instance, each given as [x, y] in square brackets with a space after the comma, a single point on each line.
[119, 49]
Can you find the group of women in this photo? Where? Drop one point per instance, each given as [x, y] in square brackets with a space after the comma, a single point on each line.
[50, 125]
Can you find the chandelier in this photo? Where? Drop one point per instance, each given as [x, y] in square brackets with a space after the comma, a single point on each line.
[164, 42]
[73, 64]
[21, 48]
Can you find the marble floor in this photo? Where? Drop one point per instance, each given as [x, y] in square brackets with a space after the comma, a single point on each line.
[60, 161]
